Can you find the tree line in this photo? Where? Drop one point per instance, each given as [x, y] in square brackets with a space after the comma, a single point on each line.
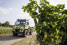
[6, 24]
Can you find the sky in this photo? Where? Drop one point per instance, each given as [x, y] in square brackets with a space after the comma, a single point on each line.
[10, 10]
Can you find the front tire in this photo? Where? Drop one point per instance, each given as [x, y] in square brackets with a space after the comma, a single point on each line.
[15, 34]
[24, 34]
[30, 33]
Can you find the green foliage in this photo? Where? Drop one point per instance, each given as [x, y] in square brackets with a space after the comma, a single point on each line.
[52, 20]
[6, 24]
[0, 24]
[31, 8]
[5, 30]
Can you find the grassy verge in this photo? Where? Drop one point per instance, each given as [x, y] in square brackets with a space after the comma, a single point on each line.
[4, 31]
[30, 40]
[5, 34]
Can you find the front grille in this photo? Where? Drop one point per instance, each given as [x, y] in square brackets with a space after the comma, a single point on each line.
[17, 30]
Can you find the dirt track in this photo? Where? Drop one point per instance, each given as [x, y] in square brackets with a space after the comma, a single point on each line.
[7, 40]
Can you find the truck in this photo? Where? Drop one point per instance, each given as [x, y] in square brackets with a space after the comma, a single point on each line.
[22, 27]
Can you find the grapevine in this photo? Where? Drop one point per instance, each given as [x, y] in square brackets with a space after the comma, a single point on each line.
[52, 22]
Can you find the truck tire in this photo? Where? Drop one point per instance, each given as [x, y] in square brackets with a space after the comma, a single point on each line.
[24, 34]
[30, 33]
[15, 34]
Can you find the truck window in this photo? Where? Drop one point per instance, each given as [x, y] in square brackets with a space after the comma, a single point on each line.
[20, 23]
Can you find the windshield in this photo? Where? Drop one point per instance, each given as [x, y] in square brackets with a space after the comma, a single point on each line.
[20, 23]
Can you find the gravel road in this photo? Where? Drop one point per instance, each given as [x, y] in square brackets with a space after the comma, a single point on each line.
[7, 40]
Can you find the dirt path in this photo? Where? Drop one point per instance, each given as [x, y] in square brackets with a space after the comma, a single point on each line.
[30, 40]
[7, 40]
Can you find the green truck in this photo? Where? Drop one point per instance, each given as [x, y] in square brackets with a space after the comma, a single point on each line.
[22, 26]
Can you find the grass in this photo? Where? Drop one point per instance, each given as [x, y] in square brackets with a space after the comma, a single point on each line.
[4, 31]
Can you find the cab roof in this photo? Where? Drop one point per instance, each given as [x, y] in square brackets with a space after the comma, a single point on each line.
[22, 20]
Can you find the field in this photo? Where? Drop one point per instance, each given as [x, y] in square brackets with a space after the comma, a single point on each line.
[4, 31]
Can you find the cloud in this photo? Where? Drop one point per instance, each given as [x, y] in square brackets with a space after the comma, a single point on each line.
[0, 1]
[11, 8]
[5, 11]
[24, 16]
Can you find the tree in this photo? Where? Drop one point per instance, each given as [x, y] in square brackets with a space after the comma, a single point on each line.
[0, 24]
[6, 23]
[52, 22]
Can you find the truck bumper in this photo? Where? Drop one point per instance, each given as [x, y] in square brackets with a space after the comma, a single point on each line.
[17, 31]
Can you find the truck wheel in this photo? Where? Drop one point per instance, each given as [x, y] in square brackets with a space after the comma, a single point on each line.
[24, 34]
[15, 34]
[30, 33]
